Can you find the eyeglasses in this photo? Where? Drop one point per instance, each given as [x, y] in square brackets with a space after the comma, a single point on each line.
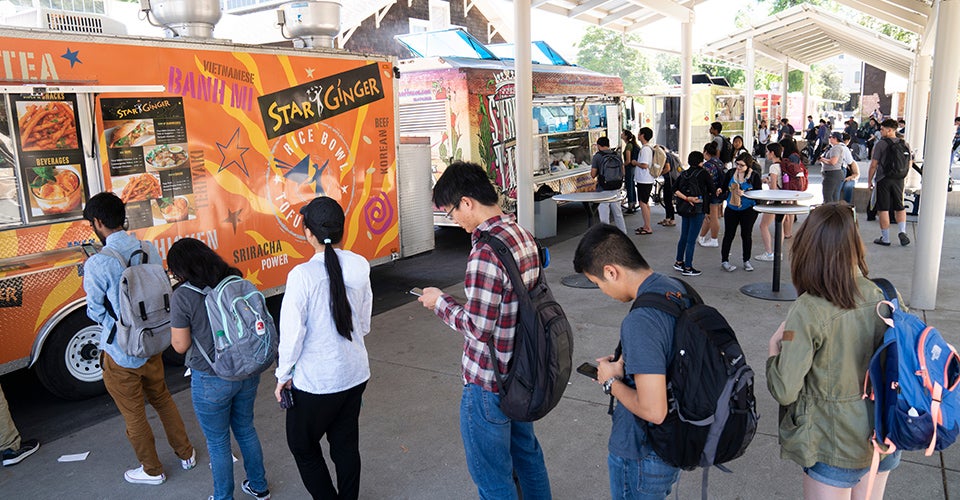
[450, 213]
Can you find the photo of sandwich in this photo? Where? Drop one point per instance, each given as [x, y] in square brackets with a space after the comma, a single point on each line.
[129, 133]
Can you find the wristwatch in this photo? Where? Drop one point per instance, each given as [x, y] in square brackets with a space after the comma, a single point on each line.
[608, 385]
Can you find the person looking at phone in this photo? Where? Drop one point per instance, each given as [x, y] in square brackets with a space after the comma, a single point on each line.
[496, 446]
[637, 379]
[322, 357]
[220, 405]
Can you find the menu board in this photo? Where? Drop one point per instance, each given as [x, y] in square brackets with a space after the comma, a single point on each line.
[50, 155]
[147, 152]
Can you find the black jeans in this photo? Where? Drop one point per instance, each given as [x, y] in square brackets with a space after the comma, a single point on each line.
[744, 219]
[335, 416]
[667, 195]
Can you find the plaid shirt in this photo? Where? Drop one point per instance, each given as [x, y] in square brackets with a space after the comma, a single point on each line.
[491, 308]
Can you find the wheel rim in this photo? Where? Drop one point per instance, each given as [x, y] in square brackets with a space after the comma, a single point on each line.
[82, 356]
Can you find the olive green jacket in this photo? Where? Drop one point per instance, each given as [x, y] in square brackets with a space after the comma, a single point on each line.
[818, 376]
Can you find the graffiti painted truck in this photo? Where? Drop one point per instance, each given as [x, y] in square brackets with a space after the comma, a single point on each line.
[461, 95]
[203, 139]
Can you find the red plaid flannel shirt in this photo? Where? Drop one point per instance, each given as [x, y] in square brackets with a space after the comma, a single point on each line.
[492, 304]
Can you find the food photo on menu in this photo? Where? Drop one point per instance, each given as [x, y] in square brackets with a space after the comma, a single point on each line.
[129, 133]
[165, 156]
[46, 125]
[55, 190]
[141, 187]
[174, 209]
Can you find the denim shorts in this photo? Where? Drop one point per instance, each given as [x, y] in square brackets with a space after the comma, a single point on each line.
[848, 478]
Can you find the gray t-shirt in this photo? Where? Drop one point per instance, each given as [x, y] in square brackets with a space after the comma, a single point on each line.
[837, 151]
[879, 150]
[647, 338]
[188, 311]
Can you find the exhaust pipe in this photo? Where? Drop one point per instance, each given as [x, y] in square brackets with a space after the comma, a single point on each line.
[183, 18]
[310, 24]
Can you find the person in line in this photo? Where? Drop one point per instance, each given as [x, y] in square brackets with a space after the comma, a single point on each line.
[786, 130]
[631, 151]
[129, 379]
[763, 138]
[851, 174]
[220, 405]
[643, 179]
[790, 152]
[694, 180]
[611, 208]
[324, 318]
[823, 139]
[956, 138]
[670, 174]
[889, 192]
[716, 129]
[819, 357]
[638, 379]
[496, 446]
[13, 450]
[773, 180]
[833, 167]
[714, 199]
[739, 212]
[738, 147]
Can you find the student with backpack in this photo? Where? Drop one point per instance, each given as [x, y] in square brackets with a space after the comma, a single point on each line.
[889, 166]
[773, 180]
[219, 404]
[128, 378]
[739, 212]
[323, 361]
[608, 169]
[819, 357]
[631, 151]
[693, 190]
[496, 446]
[713, 201]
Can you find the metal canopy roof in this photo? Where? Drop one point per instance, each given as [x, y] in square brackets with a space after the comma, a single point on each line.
[806, 34]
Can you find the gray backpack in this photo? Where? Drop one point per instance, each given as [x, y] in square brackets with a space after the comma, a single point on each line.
[142, 327]
[245, 337]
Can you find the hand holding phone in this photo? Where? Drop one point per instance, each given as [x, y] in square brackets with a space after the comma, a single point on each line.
[286, 398]
[416, 291]
[588, 369]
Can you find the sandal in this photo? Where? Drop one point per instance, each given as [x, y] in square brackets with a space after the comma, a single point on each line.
[669, 223]
[641, 230]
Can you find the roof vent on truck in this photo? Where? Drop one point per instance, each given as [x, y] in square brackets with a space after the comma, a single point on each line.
[183, 18]
[310, 24]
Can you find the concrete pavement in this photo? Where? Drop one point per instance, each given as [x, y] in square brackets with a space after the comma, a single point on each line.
[410, 440]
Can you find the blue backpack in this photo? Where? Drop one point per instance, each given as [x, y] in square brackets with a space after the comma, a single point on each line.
[915, 376]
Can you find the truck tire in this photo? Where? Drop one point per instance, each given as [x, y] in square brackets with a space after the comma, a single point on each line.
[69, 363]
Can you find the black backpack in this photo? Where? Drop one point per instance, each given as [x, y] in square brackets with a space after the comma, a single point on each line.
[711, 409]
[689, 184]
[610, 176]
[896, 161]
[726, 150]
[542, 346]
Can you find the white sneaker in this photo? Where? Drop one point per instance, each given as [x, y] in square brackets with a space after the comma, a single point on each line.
[190, 462]
[728, 267]
[712, 242]
[747, 266]
[765, 257]
[138, 476]
[702, 241]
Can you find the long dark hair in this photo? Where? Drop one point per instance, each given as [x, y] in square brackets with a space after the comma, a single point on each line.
[325, 219]
[631, 139]
[192, 260]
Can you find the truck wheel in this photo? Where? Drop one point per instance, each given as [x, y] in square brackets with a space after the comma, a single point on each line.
[69, 365]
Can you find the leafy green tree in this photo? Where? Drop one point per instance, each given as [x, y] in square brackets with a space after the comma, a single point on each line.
[610, 53]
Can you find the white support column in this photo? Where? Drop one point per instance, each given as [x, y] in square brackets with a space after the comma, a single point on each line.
[784, 91]
[918, 99]
[749, 104]
[686, 87]
[524, 116]
[936, 166]
[806, 98]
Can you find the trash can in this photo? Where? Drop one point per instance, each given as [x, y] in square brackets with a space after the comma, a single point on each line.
[544, 213]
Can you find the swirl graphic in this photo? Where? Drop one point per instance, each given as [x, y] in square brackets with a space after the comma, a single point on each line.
[378, 214]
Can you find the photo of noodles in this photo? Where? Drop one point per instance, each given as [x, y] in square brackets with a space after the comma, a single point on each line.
[46, 126]
[140, 188]
[175, 209]
[56, 190]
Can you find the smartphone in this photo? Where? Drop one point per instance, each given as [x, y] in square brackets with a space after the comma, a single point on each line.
[588, 369]
[286, 398]
[416, 291]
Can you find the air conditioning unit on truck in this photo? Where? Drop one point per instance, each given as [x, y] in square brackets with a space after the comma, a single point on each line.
[204, 139]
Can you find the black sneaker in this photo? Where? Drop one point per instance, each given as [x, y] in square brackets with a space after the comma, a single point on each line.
[879, 241]
[13, 457]
[678, 265]
[904, 240]
[689, 271]
[259, 495]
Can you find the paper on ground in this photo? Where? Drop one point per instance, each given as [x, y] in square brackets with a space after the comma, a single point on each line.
[78, 457]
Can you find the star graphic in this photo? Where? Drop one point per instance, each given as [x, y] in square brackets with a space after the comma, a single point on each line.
[309, 72]
[233, 218]
[233, 155]
[254, 277]
[73, 57]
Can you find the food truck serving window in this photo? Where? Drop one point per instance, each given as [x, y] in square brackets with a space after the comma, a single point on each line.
[9, 196]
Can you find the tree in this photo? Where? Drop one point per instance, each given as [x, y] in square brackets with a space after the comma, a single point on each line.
[609, 52]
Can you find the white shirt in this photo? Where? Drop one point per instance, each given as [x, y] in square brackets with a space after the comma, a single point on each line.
[642, 175]
[319, 359]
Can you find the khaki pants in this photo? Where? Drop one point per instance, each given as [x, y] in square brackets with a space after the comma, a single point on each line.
[9, 436]
[128, 387]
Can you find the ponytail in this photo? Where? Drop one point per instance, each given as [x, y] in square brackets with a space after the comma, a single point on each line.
[339, 305]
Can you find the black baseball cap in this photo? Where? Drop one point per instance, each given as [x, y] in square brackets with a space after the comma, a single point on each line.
[324, 217]
[837, 135]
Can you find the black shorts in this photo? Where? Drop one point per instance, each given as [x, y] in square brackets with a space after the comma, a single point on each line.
[643, 192]
[889, 195]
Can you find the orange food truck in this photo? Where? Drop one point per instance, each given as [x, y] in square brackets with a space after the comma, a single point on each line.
[204, 139]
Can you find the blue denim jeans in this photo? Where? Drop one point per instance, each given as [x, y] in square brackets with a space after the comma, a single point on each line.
[496, 447]
[645, 479]
[222, 405]
[846, 191]
[689, 229]
[629, 186]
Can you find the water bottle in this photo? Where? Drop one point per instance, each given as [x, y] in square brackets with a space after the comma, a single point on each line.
[786, 179]
[220, 340]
